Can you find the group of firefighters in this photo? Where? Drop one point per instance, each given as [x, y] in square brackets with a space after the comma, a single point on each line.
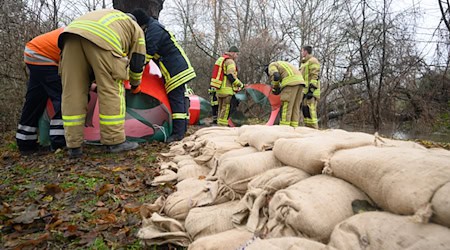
[299, 89]
[101, 49]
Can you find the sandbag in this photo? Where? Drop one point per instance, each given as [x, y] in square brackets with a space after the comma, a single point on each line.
[179, 158]
[216, 130]
[167, 175]
[285, 243]
[231, 239]
[192, 171]
[237, 172]
[312, 207]
[309, 153]
[204, 221]
[186, 162]
[441, 205]
[216, 148]
[252, 210]
[159, 230]
[399, 180]
[219, 159]
[261, 135]
[179, 203]
[382, 230]
[384, 142]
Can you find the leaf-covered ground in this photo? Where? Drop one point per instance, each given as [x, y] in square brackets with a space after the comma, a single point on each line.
[53, 202]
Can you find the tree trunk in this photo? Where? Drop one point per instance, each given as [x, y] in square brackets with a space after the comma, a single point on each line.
[153, 7]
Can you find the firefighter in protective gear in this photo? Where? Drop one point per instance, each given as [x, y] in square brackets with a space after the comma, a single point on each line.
[175, 66]
[310, 69]
[110, 46]
[287, 81]
[41, 56]
[224, 79]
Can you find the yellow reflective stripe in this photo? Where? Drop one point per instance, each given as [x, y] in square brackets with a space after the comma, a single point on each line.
[73, 120]
[122, 98]
[102, 31]
[111, 17]
[215, 83]
[284, 114]
[275, 83]
[286, 67]
[179, 116]
[172, 37]
[180, 75]
[73, 117]
[141, 41]
[177, 81]
[111, 117]
[135, 76]
[231, 66]
[294, 124]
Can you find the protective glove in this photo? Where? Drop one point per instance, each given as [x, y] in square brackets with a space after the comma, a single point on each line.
[309, 95]
[238, 86]
[136, 89]
[276, 90]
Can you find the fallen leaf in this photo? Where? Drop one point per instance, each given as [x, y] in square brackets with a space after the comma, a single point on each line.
[121, 168]
[34, 242]
[100, 204]
[52, 189]
[202, 177]
[47, 198]
[132, 208]
[26, 217]
[105, 188]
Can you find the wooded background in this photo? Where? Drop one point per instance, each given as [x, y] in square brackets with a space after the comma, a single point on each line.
[375, 72]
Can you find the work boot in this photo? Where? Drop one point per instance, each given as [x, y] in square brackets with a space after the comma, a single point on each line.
[124, 146]
[75, 152]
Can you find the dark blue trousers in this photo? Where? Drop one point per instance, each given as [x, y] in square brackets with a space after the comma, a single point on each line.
[44, 83]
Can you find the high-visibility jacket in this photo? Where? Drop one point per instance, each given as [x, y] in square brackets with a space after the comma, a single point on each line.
[310, 69]
[164, 49]
[218, 72]
[228, 66]
[43, 49]
[290, 75]
[114, 31]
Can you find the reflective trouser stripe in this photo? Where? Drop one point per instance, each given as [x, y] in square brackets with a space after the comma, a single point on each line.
[73, 120]
[56, 132]
[56, 122]
[284, 111]
[310, 114]
[27, 128]
[223, 120]
[26, 137]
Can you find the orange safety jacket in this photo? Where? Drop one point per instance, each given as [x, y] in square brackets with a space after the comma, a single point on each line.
[43, 49]
[217, 74]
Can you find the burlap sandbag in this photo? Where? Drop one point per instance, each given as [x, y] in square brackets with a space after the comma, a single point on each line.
[180, 158]
[179, 203]
[166, 175]
[259, 135]
[231, 239]
[399, 180]
[159, 230]
[216, 148]
[192, 171]
[285, 243]
[306, 130]
[204, 221]
[219, 159]
[309, 153]
[384, 142]
[441, 205]
[312, 207]
[252, 210]
[382, 230]
[237, 172]
[216, 130]
[186, 162]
